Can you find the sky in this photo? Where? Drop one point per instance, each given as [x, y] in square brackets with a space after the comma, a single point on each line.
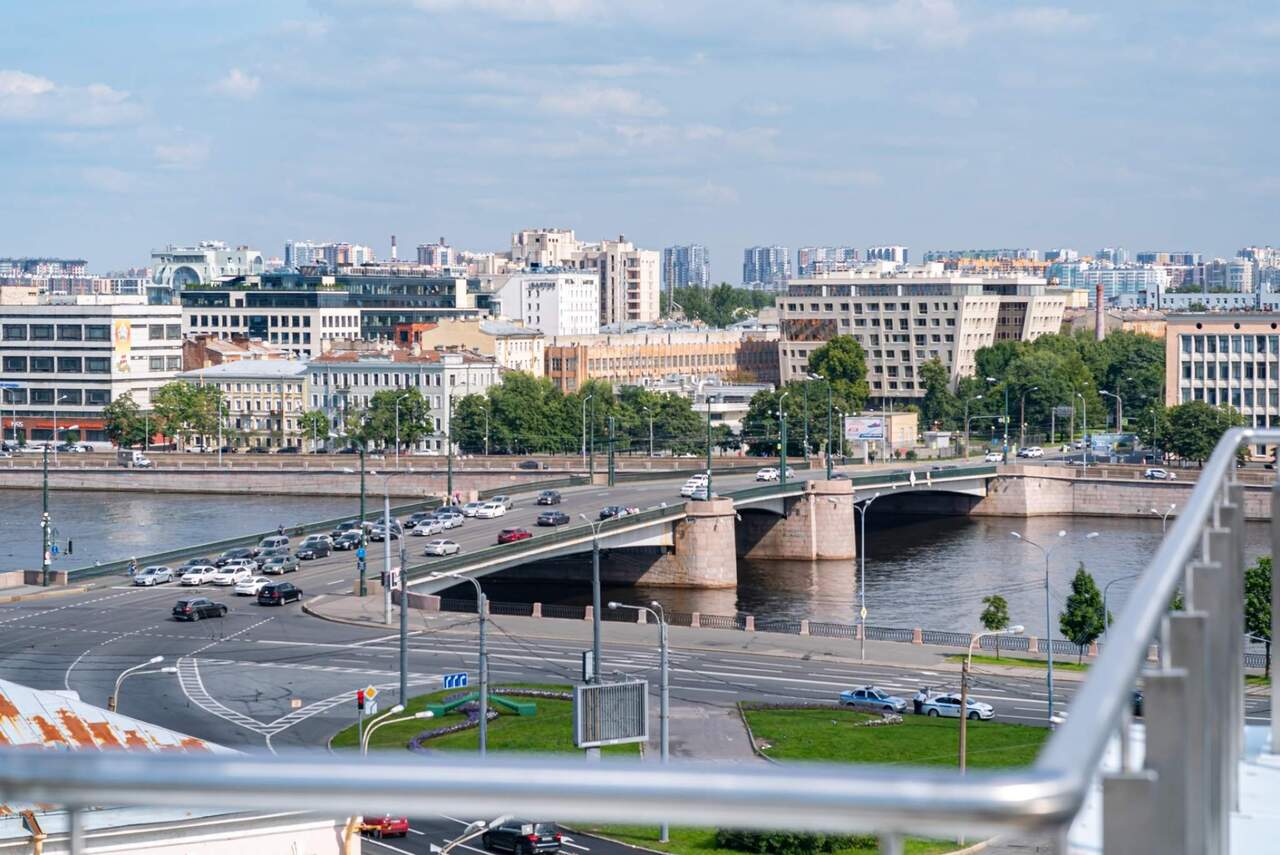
[1149, 124]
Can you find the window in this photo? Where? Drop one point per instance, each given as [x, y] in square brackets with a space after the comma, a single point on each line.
[156, 331]
[42, 364]
[69, 396]
[15, 364]
[15, 332]
[173, 363]
[97, 332]
[174, 331]
[97, 365]
[97, 397]
[42, 332]
[156, 363]
[71, 364]
[42, 396]
[70, 332]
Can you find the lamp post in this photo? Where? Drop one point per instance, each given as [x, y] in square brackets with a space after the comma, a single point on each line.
[782, 449]
[482, 609]
[655, 609]
[1048, 626]
[595, 596]
[966, 423]
[649, 413]
[57, 400]
[399, 398]
[584, 427]
[386, 549]
[1022, 416]
[708, 448]
[829, 407]
[1119, 407]
[448, 445]
[114, 700]
[398, 708]
[1164, 516]
[1005, 446]
[45, 525]
[486, 428]
[862, 573]
[360, 561]
[964, 687]
[1084, 415]
[841, 413]
[805, 389]
[1106, 618]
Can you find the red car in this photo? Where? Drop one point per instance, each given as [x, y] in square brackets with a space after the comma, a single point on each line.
[511, 535]
[385, 826]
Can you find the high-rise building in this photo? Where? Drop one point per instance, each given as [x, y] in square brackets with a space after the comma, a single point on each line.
[630, 281]
[1229, 275]
[329, 255]
[44, 267]
[557, 302]
[1113, 254]
[893, 253]
[1004, 254]
[686, 266]
[766, 268]
[1063, 254]
[814, 260]
[176, 267]
[1179, 258]
[439, 255]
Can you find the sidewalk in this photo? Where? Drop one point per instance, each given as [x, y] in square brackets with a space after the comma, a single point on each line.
[348, 608]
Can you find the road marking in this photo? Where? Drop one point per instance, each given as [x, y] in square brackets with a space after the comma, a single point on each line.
[336, 582]
[66, 677]
[377, 842]
[193, 687]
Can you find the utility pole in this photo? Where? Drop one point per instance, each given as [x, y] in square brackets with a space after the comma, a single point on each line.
[708, 448]
[591, 447]
[782, 448]
[612, 440]
[828, 430]
[360, 561]
[1022, 417]
[448, 441]
[404, 625]
[806, 422]
[44, 524]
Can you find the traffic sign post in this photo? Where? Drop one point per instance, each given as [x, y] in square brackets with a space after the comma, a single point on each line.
[456, 681]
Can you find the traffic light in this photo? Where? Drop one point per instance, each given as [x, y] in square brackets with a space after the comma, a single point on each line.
[360, 700]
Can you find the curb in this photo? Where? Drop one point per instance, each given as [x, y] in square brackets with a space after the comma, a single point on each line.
[617, 842]
[307, 609]
[751, 736]
[39, 595]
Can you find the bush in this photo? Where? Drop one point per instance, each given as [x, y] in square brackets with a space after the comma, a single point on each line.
[911, 454]
[789, 842]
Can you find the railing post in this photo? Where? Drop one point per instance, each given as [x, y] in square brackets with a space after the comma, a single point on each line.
[1128, 801]
[1208, 591]
[1275, 598]
[1225, 553]
[1186, 640]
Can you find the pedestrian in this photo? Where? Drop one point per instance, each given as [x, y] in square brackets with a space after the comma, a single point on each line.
[280, 530]
[917, 701]
[133, 566]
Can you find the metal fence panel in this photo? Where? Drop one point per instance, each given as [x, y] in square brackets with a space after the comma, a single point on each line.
[610, 713]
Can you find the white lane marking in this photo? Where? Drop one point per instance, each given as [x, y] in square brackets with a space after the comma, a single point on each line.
[336, 582]
[193, 687]
[235, 634]
[377, 842]
[66, 677]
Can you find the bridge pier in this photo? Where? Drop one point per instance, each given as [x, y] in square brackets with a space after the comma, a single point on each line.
[704, 555]
[815, 525]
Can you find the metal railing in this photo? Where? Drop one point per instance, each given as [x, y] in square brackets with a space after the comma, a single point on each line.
[1179, 802]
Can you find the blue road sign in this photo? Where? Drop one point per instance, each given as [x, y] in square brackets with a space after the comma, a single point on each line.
[360, 553]
[53, 550]
[456, 681]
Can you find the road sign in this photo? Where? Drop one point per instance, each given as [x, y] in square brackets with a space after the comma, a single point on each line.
[610, 713]
[10, 385]
[370, 693]
[371, 708]
[295, 703]
[863, 612]
[53, 550]
[360, 553]
[456, 681]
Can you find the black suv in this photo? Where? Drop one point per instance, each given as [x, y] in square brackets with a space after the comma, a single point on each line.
[196, 608]
[522, 837]
[347, 540]
[278, 593]
[314, 549]
[553, 518]
[549, 497]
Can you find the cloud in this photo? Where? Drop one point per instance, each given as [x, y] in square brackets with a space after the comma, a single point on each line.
[932, 23]
[842, 178]
[595, 100]
[238, 84]
[181, 155]
[28, 97]
[522, 10]
[19, 84]
[107, 178]
[1044, 20]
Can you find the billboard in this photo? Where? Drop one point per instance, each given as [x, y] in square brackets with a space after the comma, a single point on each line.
[863, 427]
[610, 713]
[121, 345]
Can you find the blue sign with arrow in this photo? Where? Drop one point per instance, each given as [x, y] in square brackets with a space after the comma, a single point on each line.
[360, 553]
[456, 681]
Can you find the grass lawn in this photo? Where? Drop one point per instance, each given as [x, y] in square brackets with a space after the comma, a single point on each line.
[1257, 680]
[828, 735]
[1058, 664]
[702, 841]
[548, 732]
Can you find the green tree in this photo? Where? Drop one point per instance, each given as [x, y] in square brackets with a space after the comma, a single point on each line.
[184, 410]
[1195, 428]
[124, 422]
[843, 362]
[1257, 603]
[995, 616]
[761, 427]
[470, 415]
[314, 426]
[939, 406]
[380, 419]
[719, 305]
[1081, 620]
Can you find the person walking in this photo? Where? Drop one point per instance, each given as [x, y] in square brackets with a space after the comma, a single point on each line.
[917, 701]
[133, 566]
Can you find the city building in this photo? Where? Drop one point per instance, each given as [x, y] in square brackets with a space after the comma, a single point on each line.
[1166, 258]
[1142, 321]
[766, 268]
[204, 351]
[298, 320]
[265, 400]
[725, 403]
[537, 248]
[1113, 254]
[44, 267]
[642, 358]
[1115, 281]
[629, 277]
[944, 255]
[177, 267]
[815, 260]
[71, 356]
[513, 347]
[1229, 275]
[686, 267]
[1065, 254]
[349, 374]
[892, 253]
[439, 255]
[1228, 359]
[327, 255]
[904, 320]
[126, 282]
[555, 301]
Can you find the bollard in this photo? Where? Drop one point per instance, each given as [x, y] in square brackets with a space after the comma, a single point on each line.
[695, 620]
[586, 612]
[917, 636]
[804, 627]
[750, 623]
[1033, 645]
[537, 610]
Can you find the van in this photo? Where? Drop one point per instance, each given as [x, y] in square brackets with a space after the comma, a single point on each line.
[132, 458]
[271, 542]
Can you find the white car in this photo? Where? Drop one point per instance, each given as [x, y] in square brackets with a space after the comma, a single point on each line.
[198, 575]
[1031, 451]
[251, 585]
[451, 520]
[230, 575]
[767, 474]
[442, 547]
[948, 706]
[1158, 474]
[993, 457]
[427, 527]
[470, 508]
[243, 563]
[692, 485]
[148, 576]
[506, 501]
[489, 510]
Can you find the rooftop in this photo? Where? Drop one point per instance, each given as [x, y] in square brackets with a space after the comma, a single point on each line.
[249, 369]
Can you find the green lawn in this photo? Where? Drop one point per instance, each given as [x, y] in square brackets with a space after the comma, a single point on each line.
[1257, 680]
[828, 735]
[1015, 662]
[550, 731]
[702, 841]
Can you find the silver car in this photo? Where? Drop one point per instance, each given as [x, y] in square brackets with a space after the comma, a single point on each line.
[948, 706]
[442, 547]
[428, 527]
[149, 576]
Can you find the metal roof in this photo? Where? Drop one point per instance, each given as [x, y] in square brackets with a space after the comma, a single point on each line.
[249, 369]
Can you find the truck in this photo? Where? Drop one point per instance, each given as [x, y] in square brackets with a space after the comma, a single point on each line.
[132, 458]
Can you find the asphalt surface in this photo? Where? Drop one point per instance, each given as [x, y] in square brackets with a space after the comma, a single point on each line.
[427, 831]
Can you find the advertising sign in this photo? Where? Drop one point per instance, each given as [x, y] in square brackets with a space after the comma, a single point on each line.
[121, 345]
[863, 427]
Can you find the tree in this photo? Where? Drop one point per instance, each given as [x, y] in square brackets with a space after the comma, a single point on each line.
[719, 305]
[1081, 620]
[939, 406]
[413, 417]
[314, 425]
[184, 410]
[1195, 428]
[1257, 604]
[124, 421]
[470, 415]
[843, 362]
[995, 616]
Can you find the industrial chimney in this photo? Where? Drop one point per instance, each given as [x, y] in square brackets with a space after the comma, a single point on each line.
[1099, 331]
[393, 247]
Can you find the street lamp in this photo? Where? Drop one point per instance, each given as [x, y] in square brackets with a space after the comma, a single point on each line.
[1084, 405]
[399, 398]
[964, 687]
[708, 448]
[398, 708]
[782, 449]
[1022, 416]
[1164, 516]
[1119, 406]
[1048, 626]
[114, 700]
[482, 608]
[1106, 618]
[862, 572]
[655, 609]
[595, 596]
[584, 427]
[649, 413]
[56, 401]
[966, 423]
[828, 385]
[386, 588]
[1005, 447]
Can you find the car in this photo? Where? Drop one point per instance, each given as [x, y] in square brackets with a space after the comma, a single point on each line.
[228, 449]
[694, 482]
[350, 449]
[993, 457]
[450, 518]
[700, 493]
[379, 533]
[232, 555]
[314, 549]
[767, 474]
[274, 552]
[1031, 451]
[553, 518]
[1158, 474]
[522, 837]
[506, 501]
[250, 586]
[72, 448]
[470, 508]
[344, 527]
[549, 497]
[278, 593]
[193, 562]
[489, 510]
[271, 541]
[148, 576]
[415, 518]
[428, 527]
[245, 563]
[313, 539]
[289, 449]
[531, 464]
[610, 511]
[230, 575]
[442, 547]
[280, 565]
[511, 535]
[198, 575]
[871, 698]
[258, 449]
[197, 608]
[384, 826]
[948, 706]
[347, 540]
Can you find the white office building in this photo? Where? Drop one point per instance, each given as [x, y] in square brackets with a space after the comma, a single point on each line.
[557, 302]
[176, 267]
[630, 279]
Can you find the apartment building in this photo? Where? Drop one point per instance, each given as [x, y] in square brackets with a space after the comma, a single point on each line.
[766, 268]
[265, 400]
[686, 266]
[177, 267]
[1229, 359]
[555, 301]
[297, 321]
[68, 357]
[903, 321]
[629, 278]
[513, 347]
